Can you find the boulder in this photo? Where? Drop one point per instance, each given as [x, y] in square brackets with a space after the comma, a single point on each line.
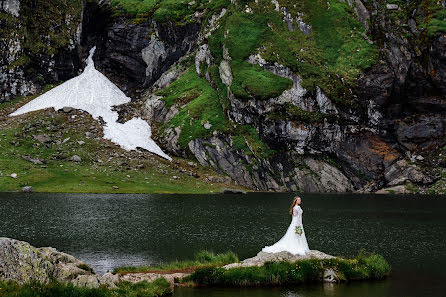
[27, 189]
[76, 158]
[22, 263]
[263, 257]
[232, 191]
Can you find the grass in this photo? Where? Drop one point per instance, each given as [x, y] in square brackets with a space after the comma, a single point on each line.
[202, 106]
[178, 11]
[252, 82]
[436, 24]
[105, 168]
[202, 259]
[157, 288]
[286, 273]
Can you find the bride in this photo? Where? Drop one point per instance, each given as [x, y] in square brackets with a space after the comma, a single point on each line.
[294, 240]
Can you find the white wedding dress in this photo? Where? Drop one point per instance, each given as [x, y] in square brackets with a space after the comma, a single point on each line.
[291, 242]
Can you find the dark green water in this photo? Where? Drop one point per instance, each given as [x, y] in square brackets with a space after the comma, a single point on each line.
[114, 230]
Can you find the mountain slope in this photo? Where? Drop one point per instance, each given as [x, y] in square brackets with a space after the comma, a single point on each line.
[283, 95]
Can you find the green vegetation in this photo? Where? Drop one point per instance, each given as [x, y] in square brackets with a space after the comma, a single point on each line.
[203, 106]
[244, 34]
[179, 11]
[202, 259]
[251, 81]
[247, 139]
[157, 288]
[436, 24]
[283, 273]
[331, 56]
[105, 168]
[86, 267]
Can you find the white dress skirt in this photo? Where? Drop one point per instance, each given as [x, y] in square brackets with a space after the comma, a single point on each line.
[291, 242]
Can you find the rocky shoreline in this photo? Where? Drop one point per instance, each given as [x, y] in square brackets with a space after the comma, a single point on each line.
[23, 264]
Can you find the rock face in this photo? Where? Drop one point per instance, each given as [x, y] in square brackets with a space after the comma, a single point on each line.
[39, 45]
[313, 141]
[23, 263]
[135, 55]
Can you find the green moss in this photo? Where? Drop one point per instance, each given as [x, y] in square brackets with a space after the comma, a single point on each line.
[22, 60]
[286, 273]
[178, 11]
[436, 24]
[203, 105]
[50, 25]
[157, 288]
[247, 139]
[251, 81]
[334, 49]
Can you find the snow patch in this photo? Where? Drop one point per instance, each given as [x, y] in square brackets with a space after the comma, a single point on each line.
[94, 93]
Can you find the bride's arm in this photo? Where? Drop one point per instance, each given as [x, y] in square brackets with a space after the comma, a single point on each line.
[295, 212]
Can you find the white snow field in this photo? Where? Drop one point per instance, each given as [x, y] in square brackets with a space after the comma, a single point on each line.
[94, 93]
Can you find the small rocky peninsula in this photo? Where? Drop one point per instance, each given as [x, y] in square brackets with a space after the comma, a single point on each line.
[23, 264]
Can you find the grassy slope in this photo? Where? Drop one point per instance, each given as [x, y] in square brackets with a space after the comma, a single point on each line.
[104, 165]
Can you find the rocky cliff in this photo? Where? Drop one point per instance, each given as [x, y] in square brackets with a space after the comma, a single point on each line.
[312, 96]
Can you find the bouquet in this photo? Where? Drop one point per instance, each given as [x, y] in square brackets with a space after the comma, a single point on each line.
[299, 230]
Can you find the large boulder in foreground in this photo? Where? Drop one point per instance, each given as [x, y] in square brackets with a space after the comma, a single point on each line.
[23, 263]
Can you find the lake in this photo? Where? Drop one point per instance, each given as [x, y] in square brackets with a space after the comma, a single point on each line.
[108, 231]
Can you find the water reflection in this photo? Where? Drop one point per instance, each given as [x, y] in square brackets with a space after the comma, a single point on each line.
[380, 289]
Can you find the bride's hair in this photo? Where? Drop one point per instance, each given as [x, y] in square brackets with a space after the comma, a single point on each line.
[292, 204]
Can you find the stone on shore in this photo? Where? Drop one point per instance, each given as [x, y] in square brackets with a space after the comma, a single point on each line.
[27, 189]
[263, 257]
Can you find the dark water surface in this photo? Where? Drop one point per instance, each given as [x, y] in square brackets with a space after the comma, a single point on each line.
[107, 231]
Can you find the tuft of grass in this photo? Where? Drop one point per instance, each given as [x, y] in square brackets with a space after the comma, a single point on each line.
[436, 24]
[285, 273]
[202, 259]
[157, 288]
[86, 267]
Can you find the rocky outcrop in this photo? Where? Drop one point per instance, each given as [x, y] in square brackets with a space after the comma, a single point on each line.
[23, 263]
[328, 275]
[261, 258]
[135, 55]
[39, 45]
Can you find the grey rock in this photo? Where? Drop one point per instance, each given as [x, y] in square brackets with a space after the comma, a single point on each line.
[392, 6]
[225, 72]
[67, 109]
[154, 54]
[43, 138]
[36, 161]
[27, 189]
[75, 158]
[232, 191]
[23, 263]
[263, 257]
[331, 276]
[11, 6]
[401, 189]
